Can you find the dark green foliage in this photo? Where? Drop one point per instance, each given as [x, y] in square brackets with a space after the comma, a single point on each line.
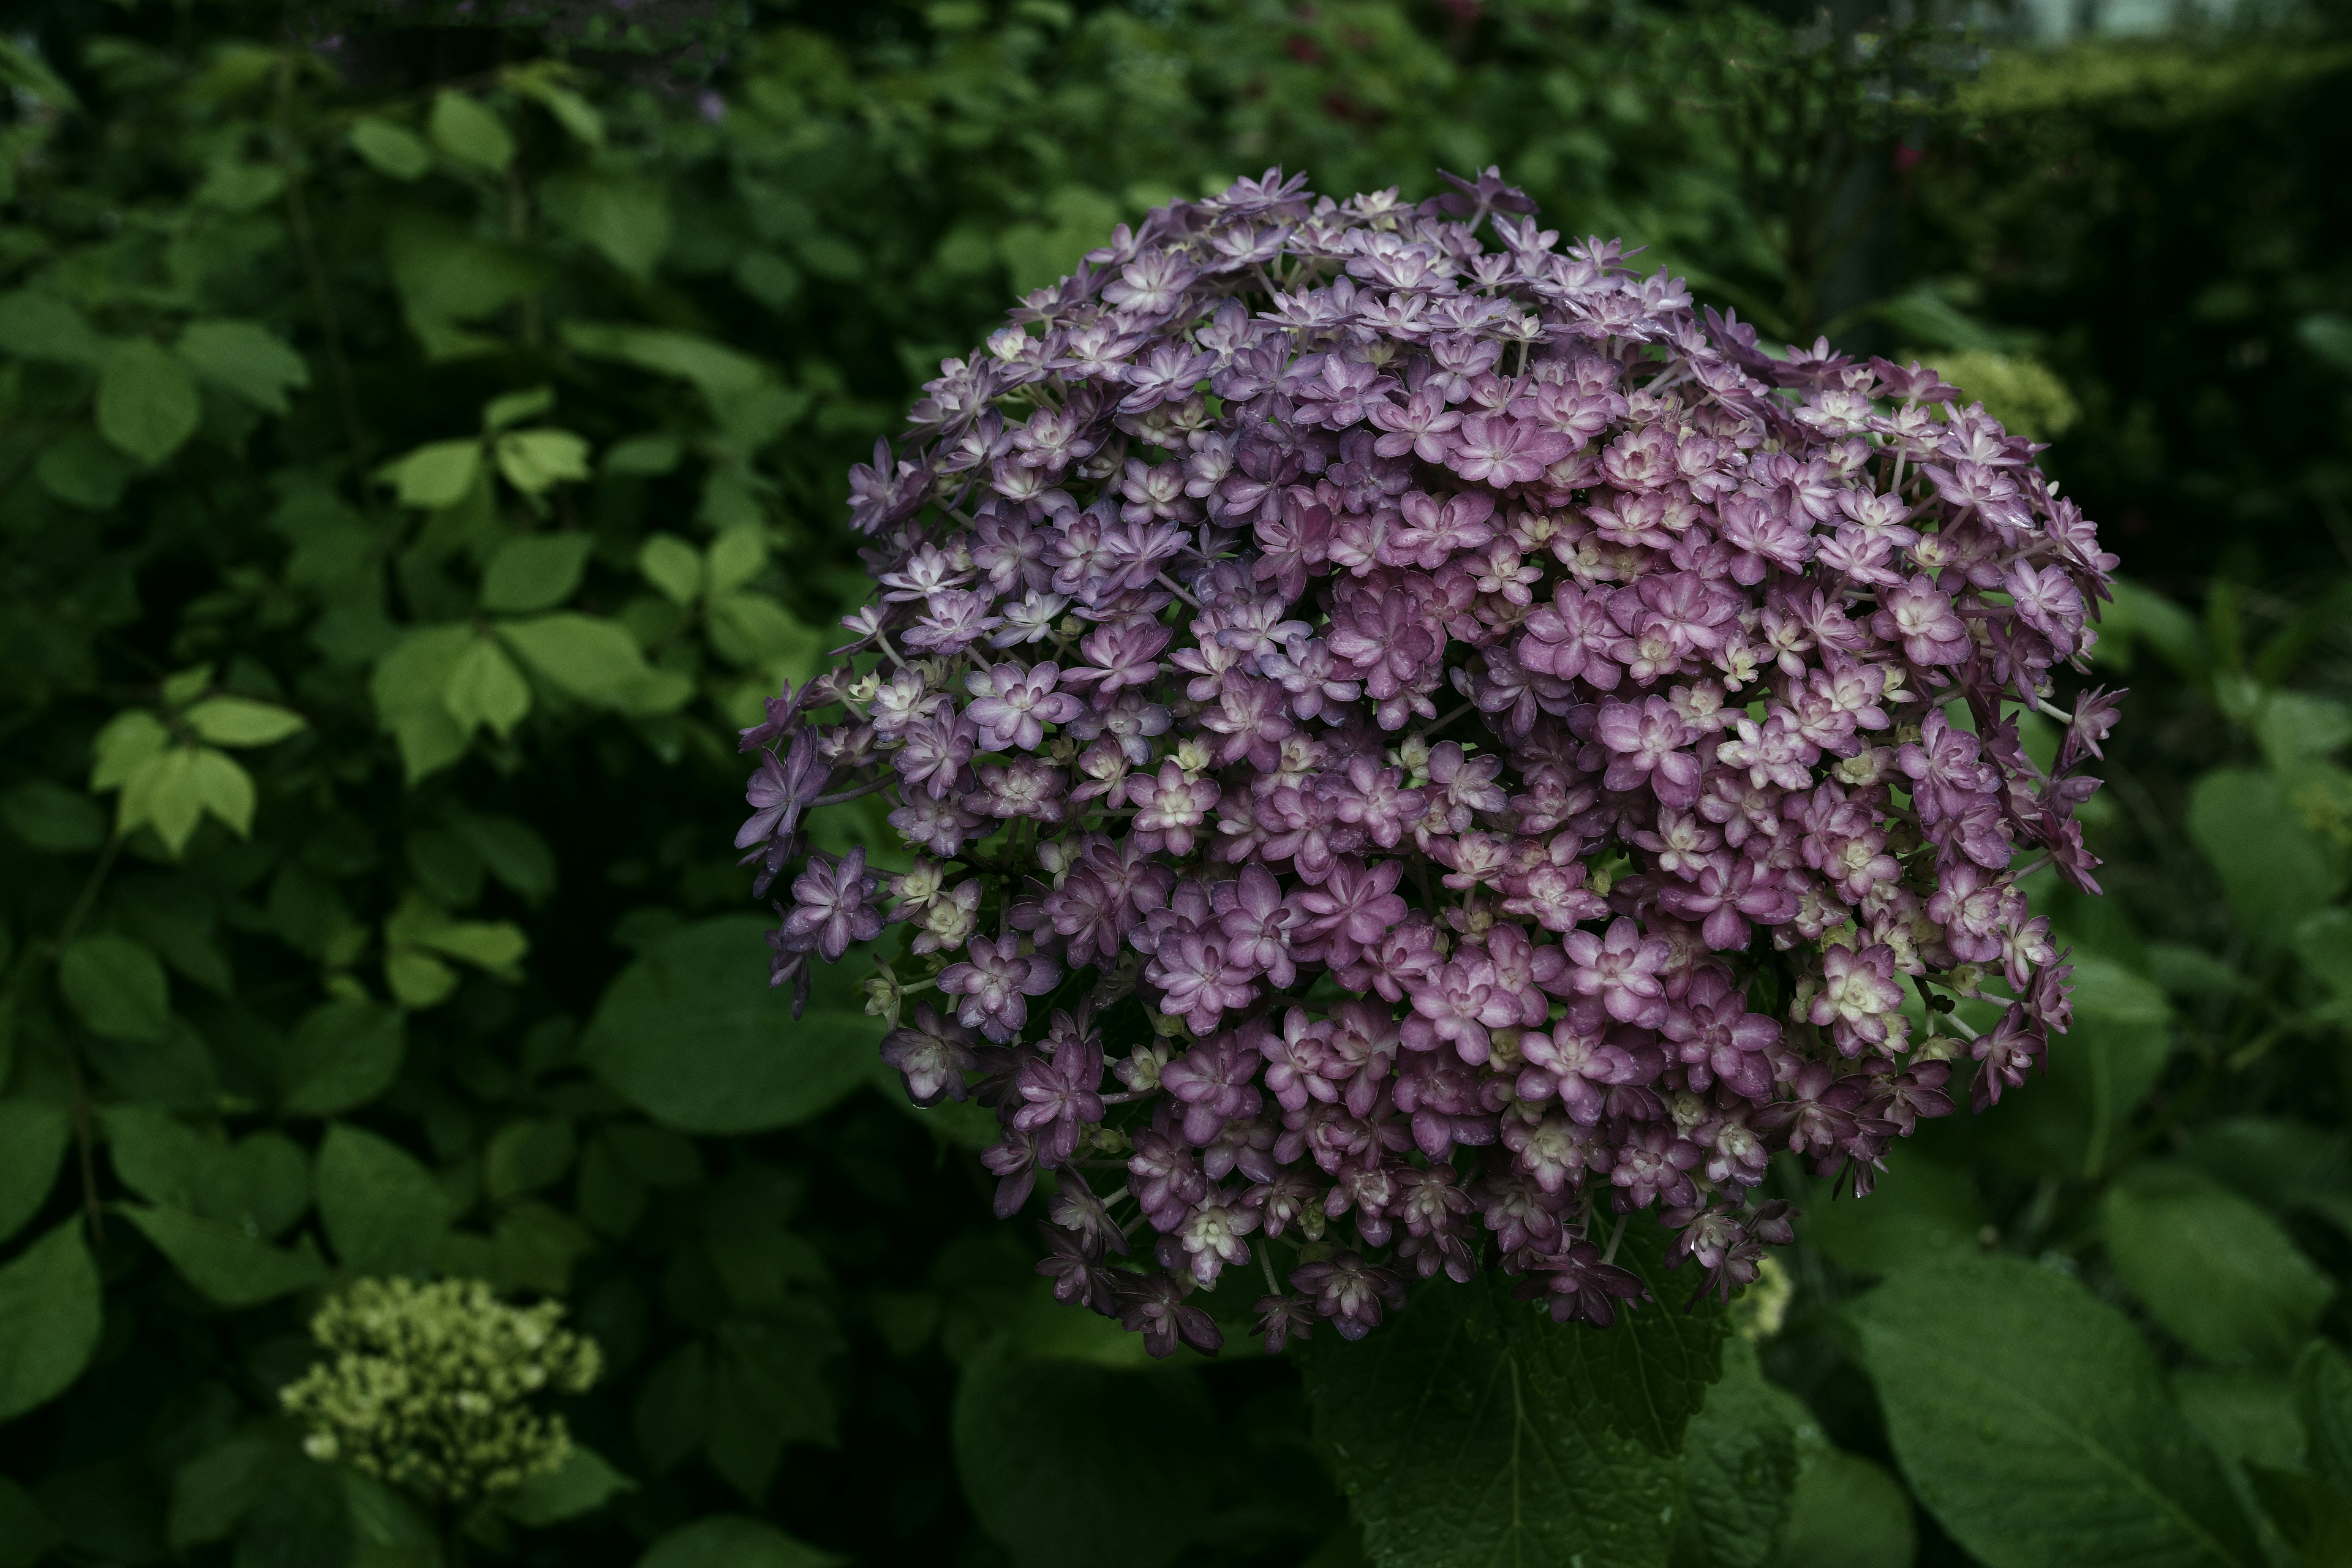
[419, 452]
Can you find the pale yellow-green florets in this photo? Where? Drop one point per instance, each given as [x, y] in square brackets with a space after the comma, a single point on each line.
[432, 1386]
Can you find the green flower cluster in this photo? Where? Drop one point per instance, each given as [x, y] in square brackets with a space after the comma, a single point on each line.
[430, 1386]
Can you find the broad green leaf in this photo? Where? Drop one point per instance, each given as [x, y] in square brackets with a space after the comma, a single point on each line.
[130, 739]
[720, 373]
[2323, 1396]
[2276, 872]
[536, 461]
[418, 980]
[2141, 615]
[671, 564]
[2033, 1423]
[167, 793]
[260, 1186]
[526, 1155]
[692, 1035]
[514, 407]
[735, 557]
[341, 1055]
[392, 149]
[2323, 943]
[753, 629]
[536, 572]
[1044, 1484]
[241, 721]
[214, 1492]
[469, 131]
[79, 467]
[1921, 1212]
[247, 359]
[52, 817]
[582, 1483]
[49, 1299]
[1741, 1463]
[223, 1261]
[597, 661]
[643, 456]
[733, 1541]
[384, 1211]
[44, 327]
[388, 1528]
[147, 404]
[1846, 1513]
[494, 945]
[514, 853]
[622, 218]
[32, 1137]
[223, 787]
[574, 113]
[2217, 1272]
[407, 689]
[485, 688]
[117, 988]
[437, 474]
[1472, 1429]
[446, 273]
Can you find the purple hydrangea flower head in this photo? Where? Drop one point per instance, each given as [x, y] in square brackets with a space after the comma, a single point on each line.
[1374, 597]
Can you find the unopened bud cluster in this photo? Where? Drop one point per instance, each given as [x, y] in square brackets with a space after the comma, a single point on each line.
[1416, 745]
[435, 1387]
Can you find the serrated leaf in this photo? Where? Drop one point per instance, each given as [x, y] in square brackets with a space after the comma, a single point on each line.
[2033, 1423]
[485, 688]
[147, 403]
[435, 475]
[49, 1297]
[536, 461]
[241, 721]
[117, 988]
[536, 572]
[469, 131]
[1741, 1462]
[1469, 1430]
[393, 150]
[247, 359]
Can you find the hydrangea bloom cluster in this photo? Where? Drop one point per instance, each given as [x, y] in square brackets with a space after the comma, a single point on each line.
[1416, 743]
[432, 1386]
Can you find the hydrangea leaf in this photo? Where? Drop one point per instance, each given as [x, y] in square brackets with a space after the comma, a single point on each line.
[733, 1541]
[227, 1264]
[261, 1185]
[32, 1137]
[693, 1037]
[49, 1298]
[1742, 1463]
[341, 1055]
[584, 1482]
[1473, 1430]
[147, 403]
[384, 1211]
[2217, 1271]
[2032, 1422]
[2322, 1392]
[1847, 1511]
[2276, 872]
[117, 986]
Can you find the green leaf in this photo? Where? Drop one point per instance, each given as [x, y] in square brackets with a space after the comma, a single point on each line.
[514, 407]
[1473, 1429]
[1847, 1513]
[1742, 1465]
[341, 1055]
[147, 403]
[247, 359]
[732, 1540]
[470, 132]
[214, 1492]
[535, 572]
[515, 854]
[736, 556]
[225, 789]
[2323, 1397]
[720, 373]
[407, 689]
[622, 218]
[494, 945]
[485, 688]
[241, 721]
[223, 1261]
[32, 1137]
[44, 327]
[671, 564]
[52, 817]
[526, 1155]
[597, 661]
[132, 739]
[2033, 1423]
[434, 475]
[2276, 872]
[168, 793]
[536, 461]
[754, 629]
[643, 456]
[582, 1483]
[392, 149]
[1042, 1481]
[384, 1211]
[117, 988]
[418, 980]
[259, 1186]
[49, 1297]
[80, 468]
[692, 1035]
[574, 113]
[2217, 1272]
[1921, 1212]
